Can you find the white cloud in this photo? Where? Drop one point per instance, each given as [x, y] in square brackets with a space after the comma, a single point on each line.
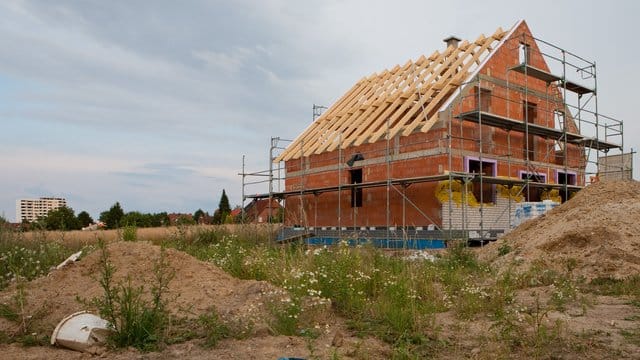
[28, 160]
[138, 91]
[228, 62]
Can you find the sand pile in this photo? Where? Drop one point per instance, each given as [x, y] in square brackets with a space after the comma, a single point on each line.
[197, 286]
[599, 229]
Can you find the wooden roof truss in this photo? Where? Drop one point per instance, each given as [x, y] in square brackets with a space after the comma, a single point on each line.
[396, 101]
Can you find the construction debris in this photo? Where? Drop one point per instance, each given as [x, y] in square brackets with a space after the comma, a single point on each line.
[82, 332]
[74, 257]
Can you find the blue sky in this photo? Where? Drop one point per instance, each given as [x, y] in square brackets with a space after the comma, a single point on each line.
[153, 103]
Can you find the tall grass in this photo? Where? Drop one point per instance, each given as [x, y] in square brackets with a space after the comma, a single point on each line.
[388, 296]
[29, 259]
[384, 296]
[380, 293]
[136, 322]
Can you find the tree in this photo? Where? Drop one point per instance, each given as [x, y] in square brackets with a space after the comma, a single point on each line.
[133, 218]
[224, 209]
[62, 218]
[198, 215]
[84, 219]
[185, 220]
[113, 217]
[160, 219]
[278, 215]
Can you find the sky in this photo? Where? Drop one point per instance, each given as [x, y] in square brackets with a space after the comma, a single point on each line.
[154, 103]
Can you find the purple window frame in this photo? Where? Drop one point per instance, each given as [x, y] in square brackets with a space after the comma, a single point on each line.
[568, 172]
[487, 160]
[521, 172]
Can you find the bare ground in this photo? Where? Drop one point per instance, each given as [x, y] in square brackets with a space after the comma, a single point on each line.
[197, 288]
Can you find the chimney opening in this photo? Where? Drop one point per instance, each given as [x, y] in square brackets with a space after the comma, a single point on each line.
[452, 41]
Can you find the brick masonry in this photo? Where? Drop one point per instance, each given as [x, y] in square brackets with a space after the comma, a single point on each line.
[416, 205]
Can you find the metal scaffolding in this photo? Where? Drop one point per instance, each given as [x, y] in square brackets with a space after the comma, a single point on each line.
[558, 132]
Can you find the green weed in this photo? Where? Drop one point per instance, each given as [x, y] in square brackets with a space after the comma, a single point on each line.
[286, 312]
[129, 233]
[214, 329]
[504, 249]
[136, 322]
[29, 260]
[629, 286]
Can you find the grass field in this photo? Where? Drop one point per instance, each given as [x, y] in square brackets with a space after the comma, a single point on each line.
[453, 307]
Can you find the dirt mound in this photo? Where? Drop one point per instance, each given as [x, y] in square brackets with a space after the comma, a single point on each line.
[196, 288]
[597, 233]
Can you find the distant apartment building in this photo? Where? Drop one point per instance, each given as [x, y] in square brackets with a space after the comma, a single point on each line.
[31, 209]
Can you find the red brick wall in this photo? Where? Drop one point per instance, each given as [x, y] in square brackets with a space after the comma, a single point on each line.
[322, 170]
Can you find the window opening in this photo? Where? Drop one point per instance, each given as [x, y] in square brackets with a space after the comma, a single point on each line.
[484, 102]
[530, 113]
[534, 192]
[488, 168]
[569, 179]
[524, 54]
[356, 193]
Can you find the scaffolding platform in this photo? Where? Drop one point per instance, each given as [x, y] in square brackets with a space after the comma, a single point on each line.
[295, 237]
[576, 88]
[487, 118]
[567, 150]
[539, 74]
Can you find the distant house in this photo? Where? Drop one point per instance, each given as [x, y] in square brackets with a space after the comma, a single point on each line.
[258, 210]
[177, 218]
[205, 219]
[236, 213]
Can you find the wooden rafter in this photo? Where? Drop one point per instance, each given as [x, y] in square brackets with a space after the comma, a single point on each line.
[333, 133]
[395, 101]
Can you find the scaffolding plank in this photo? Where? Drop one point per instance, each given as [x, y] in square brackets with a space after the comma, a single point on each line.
[517, 125]
[599, 144]
[522, 182]
[536, 73]
[412, 180]
[576, 88]
[343, 187]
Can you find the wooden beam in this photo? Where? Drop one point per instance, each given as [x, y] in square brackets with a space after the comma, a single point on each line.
[399, 120]
[329, 135]
[430, 75]
[289, 152]
[391, 101]
[397, 95]
[342, 122]
[462, 77]
[446, 91]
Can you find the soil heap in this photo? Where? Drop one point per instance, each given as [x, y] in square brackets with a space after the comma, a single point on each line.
[597, 233]
[196, 288]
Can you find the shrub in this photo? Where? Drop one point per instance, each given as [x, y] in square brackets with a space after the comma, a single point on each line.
[135, 321]
[214, 329]
[504, 249]
[129, 233]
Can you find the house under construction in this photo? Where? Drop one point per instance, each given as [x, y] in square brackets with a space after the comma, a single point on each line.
[447, 146]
